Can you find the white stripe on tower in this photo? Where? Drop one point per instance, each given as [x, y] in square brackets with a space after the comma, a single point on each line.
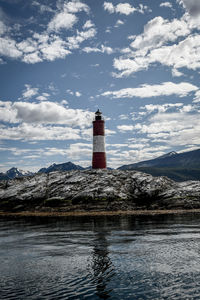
[98, 143]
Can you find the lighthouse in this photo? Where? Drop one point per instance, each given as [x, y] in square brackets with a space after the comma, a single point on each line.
[99, 154]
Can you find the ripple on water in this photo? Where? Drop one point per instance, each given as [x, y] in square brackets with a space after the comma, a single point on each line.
[100, 258]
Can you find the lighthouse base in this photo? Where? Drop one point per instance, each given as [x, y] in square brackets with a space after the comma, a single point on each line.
[99, 160]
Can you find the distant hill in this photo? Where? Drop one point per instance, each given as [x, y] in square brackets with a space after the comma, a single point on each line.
[177, 166]
[61, 167]
[13, 173]
[3, 176]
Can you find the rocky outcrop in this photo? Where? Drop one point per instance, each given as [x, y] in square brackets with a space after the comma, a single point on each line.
[97, 190]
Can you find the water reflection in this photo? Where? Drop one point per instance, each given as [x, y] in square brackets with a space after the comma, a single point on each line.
[95, 258]
[102, 266]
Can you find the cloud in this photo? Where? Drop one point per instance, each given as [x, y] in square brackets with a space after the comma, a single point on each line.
[62, 20]
[158, 31]
[51, 112]
[29, 92]
[102, 49]
[161, 107]
[191, 6]
[176, 73]
[124, 128]
[109, 7]
[197, 97]
[3, 28]
[74, 42]
[49, 44]
[55, 49]
[66, 18]
[7, 112]
[8, 47]
[166, 4]
[42, 8]
[146, 91]
[32, 58]
[44, 113]
[154, 45]
[43, 97]
[122, 8]
[34, 132]
[119, 23]
[88, 24]
[173, 129]
[78, 94]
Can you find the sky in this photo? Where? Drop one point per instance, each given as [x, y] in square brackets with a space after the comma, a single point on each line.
[137, 61]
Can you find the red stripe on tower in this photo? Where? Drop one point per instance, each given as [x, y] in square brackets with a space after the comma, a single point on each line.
[99, 154]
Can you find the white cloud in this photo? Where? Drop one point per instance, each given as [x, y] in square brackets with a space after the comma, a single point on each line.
[49, 45]
[32, 58]
[88, 24]
[75, 151]
[158, 31]
[197, 97]
[191, 6]
[62, 20]
[29, 92]
[166, 4]
[78, 94]
[45, 113]
[102, 49]
[66, 18]
[146, 91]
[74, 42]
[27, 46]
[51, 112]
[43, 97]
[8, 47]
[55, 49]
[123, 117]
[7, 113]
[3, 28]
[161, 107]
[154, 45]
[122, 8]
[75, 7]
[119, 23]
[173, 129]
[109, 7]
[124, 128]
[26, 131]
[176, 73]
[42, 8]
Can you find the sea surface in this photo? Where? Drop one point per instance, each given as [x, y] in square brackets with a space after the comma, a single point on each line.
[127, 257]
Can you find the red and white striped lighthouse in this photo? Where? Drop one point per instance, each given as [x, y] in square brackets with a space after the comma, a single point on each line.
[99, 154]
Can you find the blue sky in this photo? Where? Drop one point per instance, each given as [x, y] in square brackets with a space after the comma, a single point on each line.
[138, 61]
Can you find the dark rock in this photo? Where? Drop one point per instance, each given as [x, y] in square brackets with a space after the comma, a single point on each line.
[98, 190]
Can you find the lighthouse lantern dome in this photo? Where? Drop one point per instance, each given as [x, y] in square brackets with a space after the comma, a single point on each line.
[98, 115]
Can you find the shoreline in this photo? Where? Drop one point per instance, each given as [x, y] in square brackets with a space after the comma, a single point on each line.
[99, 213]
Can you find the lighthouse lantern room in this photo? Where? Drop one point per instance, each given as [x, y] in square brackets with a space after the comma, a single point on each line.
[99, 154]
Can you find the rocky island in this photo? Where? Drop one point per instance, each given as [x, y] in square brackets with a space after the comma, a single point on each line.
[96, 191]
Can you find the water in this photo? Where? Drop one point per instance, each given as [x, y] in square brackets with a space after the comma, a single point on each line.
[100, 258]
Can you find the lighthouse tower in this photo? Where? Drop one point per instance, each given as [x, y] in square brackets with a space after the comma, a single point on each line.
[99, 154]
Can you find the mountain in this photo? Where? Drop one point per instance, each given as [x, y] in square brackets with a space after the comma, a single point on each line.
[61, 167]
[3, 176]
[177, 166]
[14, 172]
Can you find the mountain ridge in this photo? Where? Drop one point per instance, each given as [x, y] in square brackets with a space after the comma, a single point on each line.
[177, 166]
